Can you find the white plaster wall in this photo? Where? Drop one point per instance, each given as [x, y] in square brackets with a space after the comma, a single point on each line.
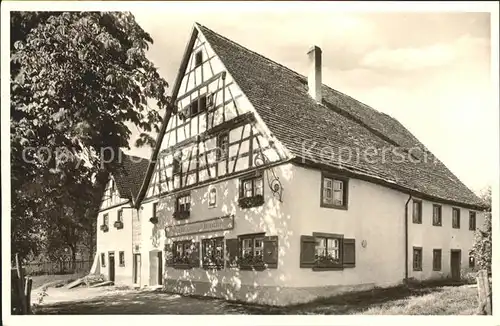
[375, 214]
[443, 237]
[273, 218]
[116, 240]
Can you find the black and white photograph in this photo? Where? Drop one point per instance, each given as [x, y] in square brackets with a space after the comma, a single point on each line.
[249, 158]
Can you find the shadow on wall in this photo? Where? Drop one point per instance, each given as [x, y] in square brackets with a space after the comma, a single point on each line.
[231, 282]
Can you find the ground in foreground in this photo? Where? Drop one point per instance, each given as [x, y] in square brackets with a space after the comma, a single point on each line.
[443, 300]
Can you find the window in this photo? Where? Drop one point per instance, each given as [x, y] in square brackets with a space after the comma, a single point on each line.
[183, 203]
[121, 257]
[202, 103]
[417, 211]
[198, 58]
[212, 198]
[103, 260]
[472, 221]
[176, 165]
[222, 146]
[326, 251]
[436, 215]
[105, 219]
[182, 207]
[417, 258]
[253, 187]
[251, 251]
[185, 254]
[210, 100]
[120, 216]
[455, 218]
[155, 209]
[194, 107]
[333, 192]
[251, 192]
[213, 253]
[472, 261]
[436, 260]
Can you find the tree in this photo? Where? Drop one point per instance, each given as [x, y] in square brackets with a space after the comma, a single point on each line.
[78, 79]
[481, 249]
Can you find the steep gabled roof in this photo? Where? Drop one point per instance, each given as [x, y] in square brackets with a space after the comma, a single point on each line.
[129, 175]
[280, 97]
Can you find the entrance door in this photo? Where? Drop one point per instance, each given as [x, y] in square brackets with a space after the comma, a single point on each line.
[111, 259]
[137, 268]
[160, 268]
[455, 261]
[155, 268]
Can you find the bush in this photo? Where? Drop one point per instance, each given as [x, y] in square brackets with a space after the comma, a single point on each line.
[482, 245]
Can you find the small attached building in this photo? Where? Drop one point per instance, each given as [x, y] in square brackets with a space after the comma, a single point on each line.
[118, 226]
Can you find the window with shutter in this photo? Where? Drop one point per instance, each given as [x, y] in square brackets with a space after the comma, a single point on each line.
[232, 252]
[327, 251]
[271, 251]
[349, 253]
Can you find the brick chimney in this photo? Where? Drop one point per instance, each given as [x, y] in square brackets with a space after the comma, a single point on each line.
[314, 82]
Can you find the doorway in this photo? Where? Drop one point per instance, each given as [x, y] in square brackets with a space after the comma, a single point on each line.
[111, 258]
[137, 268]
[455, 263]
[155, 267]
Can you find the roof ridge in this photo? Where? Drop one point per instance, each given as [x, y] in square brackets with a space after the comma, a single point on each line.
[252, 51]
[287, 68]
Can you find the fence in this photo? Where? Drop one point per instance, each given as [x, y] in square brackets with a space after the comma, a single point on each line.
[58, 267]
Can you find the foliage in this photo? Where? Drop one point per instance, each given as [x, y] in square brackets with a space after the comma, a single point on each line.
[78, 80]
[248, 202]
[481, 249]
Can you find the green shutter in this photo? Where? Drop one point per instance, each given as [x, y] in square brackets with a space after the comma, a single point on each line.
[307, 251]
[194, 260]
[232, 252]
[349, 252]
[271, 251]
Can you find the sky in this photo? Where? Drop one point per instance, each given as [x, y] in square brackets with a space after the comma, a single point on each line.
[430, 71]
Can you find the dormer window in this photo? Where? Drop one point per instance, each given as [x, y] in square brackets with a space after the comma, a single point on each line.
[198, 58]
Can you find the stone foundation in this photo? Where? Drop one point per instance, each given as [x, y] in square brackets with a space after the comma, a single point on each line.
[270, 295]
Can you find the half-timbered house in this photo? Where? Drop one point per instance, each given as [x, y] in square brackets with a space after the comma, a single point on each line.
[259, 189]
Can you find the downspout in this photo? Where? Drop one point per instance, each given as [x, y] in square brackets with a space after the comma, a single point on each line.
[406, 237]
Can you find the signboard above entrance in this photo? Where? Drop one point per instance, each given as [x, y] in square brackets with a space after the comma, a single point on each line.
[210, 225]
